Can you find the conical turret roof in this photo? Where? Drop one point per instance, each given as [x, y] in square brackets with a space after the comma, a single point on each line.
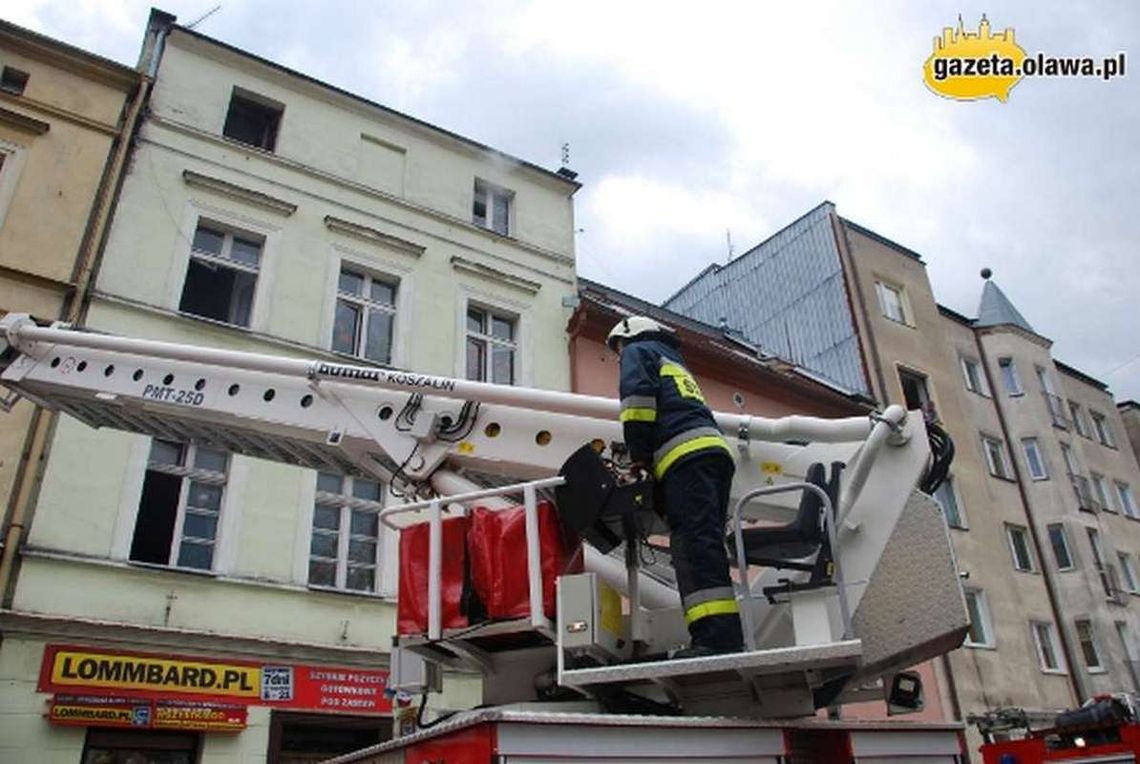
[996, 309]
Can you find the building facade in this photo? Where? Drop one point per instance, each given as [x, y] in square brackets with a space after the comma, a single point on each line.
[1049, 573]
[266, 211]
[1130, 415]
[65, 120]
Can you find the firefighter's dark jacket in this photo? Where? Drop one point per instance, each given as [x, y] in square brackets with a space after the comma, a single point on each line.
[663, 413]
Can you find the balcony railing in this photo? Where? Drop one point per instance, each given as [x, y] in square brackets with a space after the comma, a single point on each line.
[1056, 406]
[1083, 488]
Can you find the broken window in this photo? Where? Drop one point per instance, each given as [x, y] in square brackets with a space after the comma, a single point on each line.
[492, 207]
[181, 505]
[222, 275]
[253, 119]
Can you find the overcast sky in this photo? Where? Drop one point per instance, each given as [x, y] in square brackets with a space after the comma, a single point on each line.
[689, 120]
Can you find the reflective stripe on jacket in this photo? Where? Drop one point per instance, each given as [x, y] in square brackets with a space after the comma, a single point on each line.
[663, 413]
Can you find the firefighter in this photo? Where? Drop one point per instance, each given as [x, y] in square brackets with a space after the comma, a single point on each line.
[671, 434]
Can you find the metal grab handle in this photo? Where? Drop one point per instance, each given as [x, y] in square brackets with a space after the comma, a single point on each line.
[742, 563]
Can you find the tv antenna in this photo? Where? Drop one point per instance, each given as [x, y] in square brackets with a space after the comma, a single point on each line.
[203, 17]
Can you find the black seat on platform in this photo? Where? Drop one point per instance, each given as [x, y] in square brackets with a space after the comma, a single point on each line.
[789, 545]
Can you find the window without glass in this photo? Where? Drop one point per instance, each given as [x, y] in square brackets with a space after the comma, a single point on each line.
[995, 457]
[1060, 543]
[222, 275]
[1127, 501]
[1128, 573]
[1009, 376]
[491, 346]
[181, 504]
[980, 630]
[891, 301]
[345, 546]
[975, 378]
[1033, 459]
[365, 312]
[1103, 429]
[1019, 547]
[916, 393]
[13, 80]
[1046, 646]
[947, 498]
[253, 119]
[1088, 643]
[492, 207]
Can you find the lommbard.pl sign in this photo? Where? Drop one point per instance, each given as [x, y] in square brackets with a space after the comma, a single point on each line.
[120, 675]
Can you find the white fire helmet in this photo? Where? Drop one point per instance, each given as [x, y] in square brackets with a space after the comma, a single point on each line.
[631, 327]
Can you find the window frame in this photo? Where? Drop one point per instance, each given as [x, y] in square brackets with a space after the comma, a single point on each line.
[490, 342]
[1064, 539]
[1105, 496]
[1032, 443]
[976, 382]
[1103, 429]
[882, 288]
[984, 618]
[949, 485]
[489, 193]
[1006, 471]
[12, 158]
[1043, 631]
[1098, 667]
[366, 305]
[1127, 499]
[1011, 531]
[1080, 423]
[1129, 577]
[1013, 376]
[187, 474]
[223, 259]
[346, 503]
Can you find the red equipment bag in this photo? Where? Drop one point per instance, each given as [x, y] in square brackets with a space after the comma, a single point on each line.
[496, 546]
[412, 602]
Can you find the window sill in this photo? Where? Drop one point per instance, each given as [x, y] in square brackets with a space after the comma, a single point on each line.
[979, 393]
[1003, 478]
[1041, 479]
[348, 592]
[1018, 394]
[172, 569]
[980, 646]
[896, 322]
[1054, 672]
[213, 321]
[1098, 670]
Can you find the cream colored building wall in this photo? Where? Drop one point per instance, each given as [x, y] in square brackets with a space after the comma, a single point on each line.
[1130, 417]
[929, 344]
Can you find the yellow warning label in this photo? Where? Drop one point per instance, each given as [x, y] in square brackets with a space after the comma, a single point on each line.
[466, 447]
[771, 468]
[609, 607]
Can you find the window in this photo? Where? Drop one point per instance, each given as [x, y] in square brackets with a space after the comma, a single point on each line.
[365, 312]
[1060, 543]
[974, 376]
[181, 505]
[1088, 643]
[980, 633]
[1106, 572]
[491, 346]
[1127, 502]
[133, 745]
[1009, 376]
[1128, 573]
[916, 393]
[947, 498]
[1103, 429]
[995, 457]
[1033, 459]
[295, 738]
[1124, 634]
[253, 119]
[891, 301]
[222, 275]
[1080, 423]
[491, 207]
[1047, 655]
[345, 547]
[1101, 489]
[1019, 547]
[1053, 401]
[13, 81]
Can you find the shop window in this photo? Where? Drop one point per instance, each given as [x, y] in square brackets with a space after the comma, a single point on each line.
[307, 738]
[181, 506]
[253, 119]
[105, 746]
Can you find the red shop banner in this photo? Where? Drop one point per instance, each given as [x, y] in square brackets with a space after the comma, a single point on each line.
[87, 671]
[146, 713]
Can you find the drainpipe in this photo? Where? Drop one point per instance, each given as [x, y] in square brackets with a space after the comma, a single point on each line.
[33, 460]
[1075, 676]
[855, 287]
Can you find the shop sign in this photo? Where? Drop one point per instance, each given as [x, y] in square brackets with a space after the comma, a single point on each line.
[81, 670]
[146, 713]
